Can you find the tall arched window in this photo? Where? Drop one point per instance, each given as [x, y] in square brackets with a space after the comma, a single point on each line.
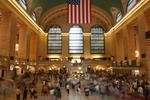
[76, 40]
[54, 40]
[97, 40]
[118, 16]
[131, 4]
[23, 4]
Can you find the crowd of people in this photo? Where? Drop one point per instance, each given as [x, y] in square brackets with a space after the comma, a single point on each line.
[29, 83]
[114, 84]
[101, 83]
[120, 85]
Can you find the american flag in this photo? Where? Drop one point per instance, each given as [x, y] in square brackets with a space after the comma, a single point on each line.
[147, 36]
[79, 11]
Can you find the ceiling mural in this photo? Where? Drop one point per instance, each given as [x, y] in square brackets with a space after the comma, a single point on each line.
[45, 5]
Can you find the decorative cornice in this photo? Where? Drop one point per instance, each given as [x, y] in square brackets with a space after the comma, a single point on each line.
[130, 16]
[13, 6]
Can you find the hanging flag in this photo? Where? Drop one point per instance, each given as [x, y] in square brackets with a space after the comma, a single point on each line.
[147, 36]
[79, 11]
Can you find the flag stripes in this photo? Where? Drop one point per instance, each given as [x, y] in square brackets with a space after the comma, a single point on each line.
[79, 11]
[147, 36]
[148, 42]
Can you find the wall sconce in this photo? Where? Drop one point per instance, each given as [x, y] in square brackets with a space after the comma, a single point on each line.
[50, 68]
[137, 53]
[17, 47]
[79, 68]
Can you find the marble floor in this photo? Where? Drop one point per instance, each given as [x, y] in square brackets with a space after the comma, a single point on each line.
[72, 96]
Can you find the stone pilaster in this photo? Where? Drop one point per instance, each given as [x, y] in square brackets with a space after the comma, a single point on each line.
[65, 41]
[142, 27]
[33, 46]
[86, 42]
[131, 42]
[119, 46]
[13, 32]
[22, 42]
[7, 34]
[45, 44]
[125, 41]
[114, 45]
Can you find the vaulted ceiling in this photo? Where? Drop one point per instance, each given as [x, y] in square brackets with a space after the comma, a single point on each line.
[45, 5]
[103, 11]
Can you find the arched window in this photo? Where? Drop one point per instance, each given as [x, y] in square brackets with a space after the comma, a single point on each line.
[118, 16]
[23, 4]
[131, 4]
[54, 40]
[76, 40]
[97, 40]
[34, 16]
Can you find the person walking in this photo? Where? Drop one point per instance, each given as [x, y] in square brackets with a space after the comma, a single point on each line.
[33, 94]
[67, 88]
[25, 93]
[18, 92]
[57, 93]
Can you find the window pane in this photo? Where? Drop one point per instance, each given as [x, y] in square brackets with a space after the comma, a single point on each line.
[131, 4]
[76, 48]
[23, 4]
[77, 42]
[75, 39]
[118, 17]
[54, 40]
[34, 16]
[75, 51]
[97, 40]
